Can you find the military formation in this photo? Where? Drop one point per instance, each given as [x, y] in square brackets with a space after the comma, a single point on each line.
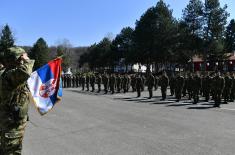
[192, 86]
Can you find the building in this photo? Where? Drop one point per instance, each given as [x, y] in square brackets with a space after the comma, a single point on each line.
[225, 65]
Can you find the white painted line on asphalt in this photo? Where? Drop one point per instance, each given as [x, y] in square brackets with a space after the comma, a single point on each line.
[227, 109]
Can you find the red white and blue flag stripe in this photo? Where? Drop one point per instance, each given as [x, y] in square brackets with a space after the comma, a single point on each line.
[45, 85]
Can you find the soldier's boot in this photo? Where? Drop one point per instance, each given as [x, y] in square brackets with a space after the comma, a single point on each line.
[138, 93]
[150, 94]
[112, 90]
[163, 96]
[172, 92]
[207, 98]
[217, 102]
[225, 100]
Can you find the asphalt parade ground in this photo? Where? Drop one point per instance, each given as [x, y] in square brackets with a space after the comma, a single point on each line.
[87, 123]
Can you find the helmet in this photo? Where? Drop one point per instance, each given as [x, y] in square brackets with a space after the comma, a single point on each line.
[14, 53]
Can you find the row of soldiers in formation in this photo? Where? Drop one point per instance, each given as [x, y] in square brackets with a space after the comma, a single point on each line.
[211, 86]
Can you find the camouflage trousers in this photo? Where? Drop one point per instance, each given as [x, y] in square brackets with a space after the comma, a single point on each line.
[163, 91]
[11, 139]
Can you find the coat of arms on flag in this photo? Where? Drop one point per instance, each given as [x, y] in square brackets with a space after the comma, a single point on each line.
[45, 85]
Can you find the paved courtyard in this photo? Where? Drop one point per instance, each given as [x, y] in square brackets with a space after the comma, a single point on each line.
[86, 123]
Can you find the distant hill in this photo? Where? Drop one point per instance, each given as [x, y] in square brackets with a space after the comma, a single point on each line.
[74, 53]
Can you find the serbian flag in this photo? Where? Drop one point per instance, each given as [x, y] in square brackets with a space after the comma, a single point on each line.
[45, 85]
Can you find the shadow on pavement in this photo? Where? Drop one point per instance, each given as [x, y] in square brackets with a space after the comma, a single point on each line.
[200, 108]
[163, 102]
[179, 105]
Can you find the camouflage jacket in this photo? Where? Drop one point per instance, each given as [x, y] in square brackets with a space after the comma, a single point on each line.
[14, 94]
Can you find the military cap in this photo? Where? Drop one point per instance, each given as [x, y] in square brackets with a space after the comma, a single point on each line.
[15, 52]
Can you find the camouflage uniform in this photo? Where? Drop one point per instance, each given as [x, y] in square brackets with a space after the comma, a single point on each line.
[218, 85]
[139, 84]
[184, 91]
[83, 81]
[68, 81]
[133, 82]
[77, 80]
[143, 82]
[179, 87]
[105, 80]
[99, 81]
[196, 88]
[172, 85]
[125, 83]
[14, 100]
[119, 83]
[150, 83]
[112, 83]
[74, 81]
[164, 81]
[190, 86]
[206, 87]
[87, 82]
[156, 83]
[232, 94]
[227, 88]
[92, 82]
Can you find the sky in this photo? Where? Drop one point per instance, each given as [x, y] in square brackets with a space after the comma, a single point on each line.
[82, 22]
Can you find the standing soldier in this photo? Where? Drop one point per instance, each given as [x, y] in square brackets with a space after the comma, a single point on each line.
[68, 81]
[143, 82]
[87, 82]
[125, 83]
[196, 88]
[139, 83]
[14, 100]
[156, 82]
[172, 84]
[232, 94]
[128, 82]
[179, 87]
[119, 82]
[65, 80]
[150, 83]
[73, 80]
[112, 83]
[61, 77]
[206, 86]
[133, 82]
[105, 83]
[164, 81]
[77, 80]
[184, 91]
[92, 82]
[227, 88]
[99, 81]
[190, 86]
[83, 81]
[218, 88]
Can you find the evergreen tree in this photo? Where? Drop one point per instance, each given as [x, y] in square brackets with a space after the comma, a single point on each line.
[193, 17]
[215, 18]
[122, 46]
[40, 52]
[155, 34]
[6, 40]
[230, 37]
[190, 30]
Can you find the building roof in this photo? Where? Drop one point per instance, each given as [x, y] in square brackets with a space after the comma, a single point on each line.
[231, 57]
